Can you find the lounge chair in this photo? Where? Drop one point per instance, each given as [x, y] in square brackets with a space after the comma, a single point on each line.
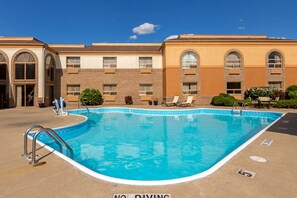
[186, 103]
[174, 102]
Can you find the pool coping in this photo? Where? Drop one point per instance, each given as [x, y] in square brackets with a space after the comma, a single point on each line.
[203, 174]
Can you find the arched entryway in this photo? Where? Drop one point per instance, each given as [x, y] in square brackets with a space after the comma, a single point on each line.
[3, 81]
[50, 66]
[25, 79]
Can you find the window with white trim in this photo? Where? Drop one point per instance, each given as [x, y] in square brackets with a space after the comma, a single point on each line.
[275, 60]
[189, 60]
[109, 62]
[234, 87]
[277, 85]
[73, 62]
[110, 90]
[73, 90]
[233, 61]
[25, 67]
[145, 62]
[145, 89]
[190, 88]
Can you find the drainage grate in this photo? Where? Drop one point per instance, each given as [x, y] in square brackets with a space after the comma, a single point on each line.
[246, 173]
[267, 142]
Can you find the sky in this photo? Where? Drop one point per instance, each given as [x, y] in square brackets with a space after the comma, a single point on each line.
[144, 21]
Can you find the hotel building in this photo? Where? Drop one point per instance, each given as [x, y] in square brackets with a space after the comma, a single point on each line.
[32, 71]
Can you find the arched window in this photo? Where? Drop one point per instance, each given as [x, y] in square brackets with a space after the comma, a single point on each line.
[3, 67]
[233, 60]
[49, 68]
[189, 61]
[25, 66]
[275, 60]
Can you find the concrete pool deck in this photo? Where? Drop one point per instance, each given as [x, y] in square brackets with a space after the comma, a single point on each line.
[57, 178]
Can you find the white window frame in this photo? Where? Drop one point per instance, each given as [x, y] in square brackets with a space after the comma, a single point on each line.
[70, 64]
[146, 89]
[189, 90]
[145, 62]
[233, 63]
[109, 62]
[189, 64]
[72, 93]
[234, 91]
[111, 91]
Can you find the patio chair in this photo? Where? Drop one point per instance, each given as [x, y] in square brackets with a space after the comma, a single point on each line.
[186, 103]
[174, 102]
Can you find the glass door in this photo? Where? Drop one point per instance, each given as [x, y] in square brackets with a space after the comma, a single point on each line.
[25, 95]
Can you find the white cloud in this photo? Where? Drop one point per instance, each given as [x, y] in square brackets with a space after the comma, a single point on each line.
[172, 37]
[146, 28]
[134, 37]
[241, 27]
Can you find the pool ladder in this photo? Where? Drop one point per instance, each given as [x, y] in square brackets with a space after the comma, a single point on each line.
[82, 101]
[234, 108]
[50, 133]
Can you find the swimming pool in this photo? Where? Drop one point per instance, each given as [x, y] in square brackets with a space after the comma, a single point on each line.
[155, 147]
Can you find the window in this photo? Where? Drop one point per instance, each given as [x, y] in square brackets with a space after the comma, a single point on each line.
[189, 60]
[3, 67]
[145, 89]
[275, 60]
[277, 85]
[25, 66]
[73, 62]
[233, 60]
[110, 89]
[145, 62]
[234, 87]
[50, 68]
[190, 88]
[73, 90]
[109, 62]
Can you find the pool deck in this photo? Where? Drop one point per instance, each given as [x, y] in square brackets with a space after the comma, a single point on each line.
[56, 178]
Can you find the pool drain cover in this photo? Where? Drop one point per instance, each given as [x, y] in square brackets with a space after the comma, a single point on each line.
[246, 173]
[267, 142]
[258, 159]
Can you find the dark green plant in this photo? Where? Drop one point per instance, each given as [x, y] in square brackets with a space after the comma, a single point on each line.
[292, 95]
[291, 88]
[223, 100]
[91, 97]
[286, 104]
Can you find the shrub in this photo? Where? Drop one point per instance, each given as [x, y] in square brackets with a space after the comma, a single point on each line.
[292, 95]
[286, 104]
[128, 100]
[291, 88]
[223, 100]
[91, 97]
[278, 93]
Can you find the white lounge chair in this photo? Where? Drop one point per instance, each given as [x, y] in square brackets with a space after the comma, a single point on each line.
[186, 103]
[174, 102]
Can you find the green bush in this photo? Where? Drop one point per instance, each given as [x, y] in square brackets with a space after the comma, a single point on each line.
[91, 97]
[223, 100]
[291, 88]
[286, 104]
[292, 95]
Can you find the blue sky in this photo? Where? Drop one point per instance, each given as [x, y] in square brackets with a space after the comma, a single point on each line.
[87, 21]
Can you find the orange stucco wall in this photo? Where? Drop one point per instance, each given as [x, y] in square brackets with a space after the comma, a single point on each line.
[291, 76]
[172, 81]
[211, 81]
[254, 77]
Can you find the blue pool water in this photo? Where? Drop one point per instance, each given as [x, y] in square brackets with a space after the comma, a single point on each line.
[158, 145]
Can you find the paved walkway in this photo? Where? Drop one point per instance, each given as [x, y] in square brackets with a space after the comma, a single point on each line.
[57, 178]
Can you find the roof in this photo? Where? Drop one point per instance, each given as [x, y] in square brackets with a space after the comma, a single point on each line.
[107, 47]
[21, 41]
[193, 37]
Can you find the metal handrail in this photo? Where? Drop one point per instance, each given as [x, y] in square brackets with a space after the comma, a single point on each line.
[26, 138]
[83, 102]
[51, 133]
[61, 140]
[33, 161]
